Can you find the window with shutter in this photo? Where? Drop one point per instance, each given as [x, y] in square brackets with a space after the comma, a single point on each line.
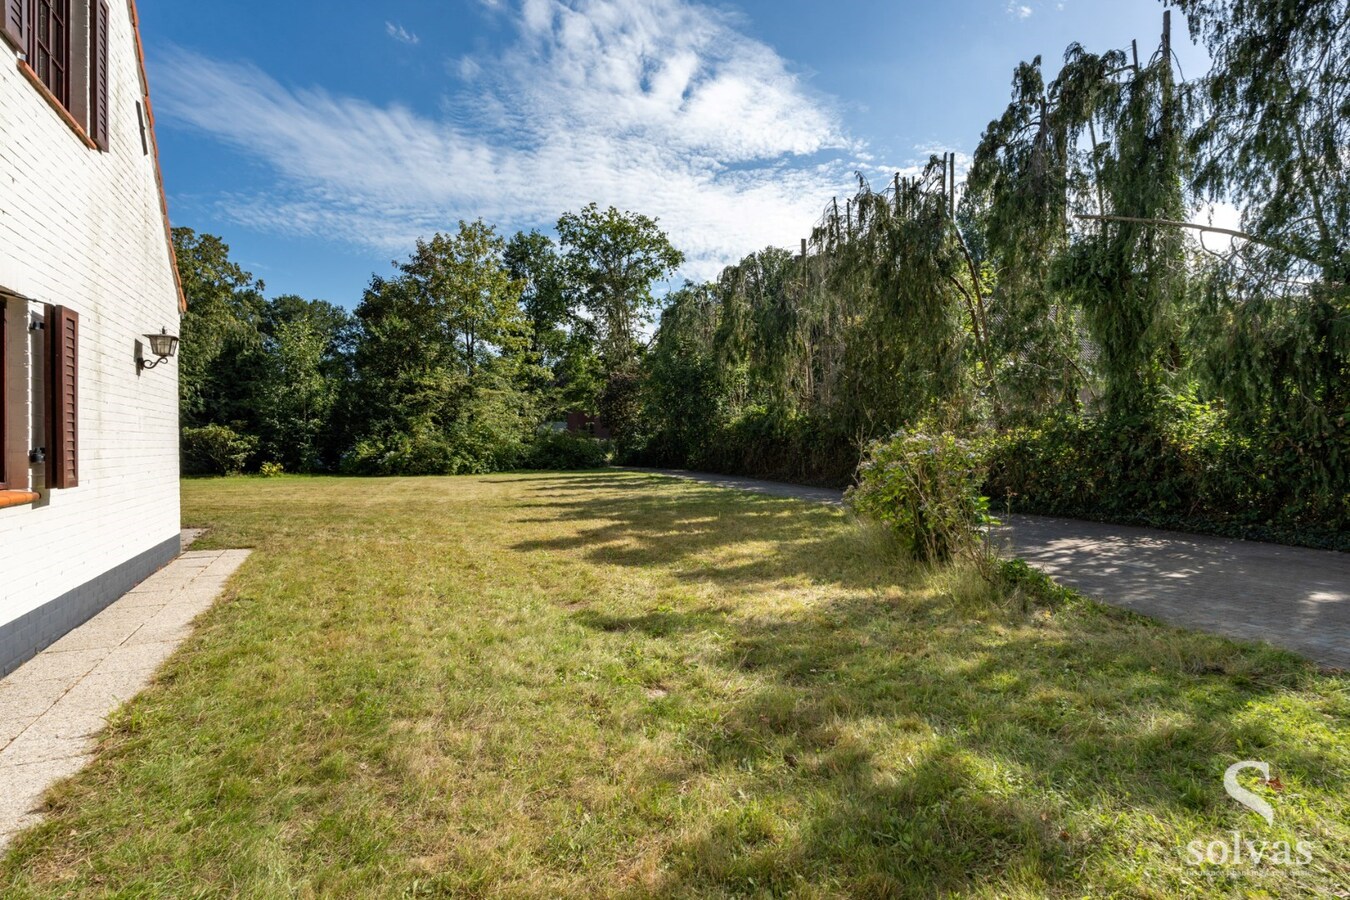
[63, 342]
[98, 72]
[49, 46]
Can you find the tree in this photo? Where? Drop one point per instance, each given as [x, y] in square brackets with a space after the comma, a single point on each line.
[532, 259]
[1127, 272]
[219, 331]
[1016, 207]
[613, 259]
[306, 368]
[1277, 125]
[682, 392]
[409, 371]
[1273, 140]
[442, 383]
[294, 397]
[462, 280]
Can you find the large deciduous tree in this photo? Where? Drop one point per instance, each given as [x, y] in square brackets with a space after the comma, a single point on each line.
[462, 281]
[613, 260]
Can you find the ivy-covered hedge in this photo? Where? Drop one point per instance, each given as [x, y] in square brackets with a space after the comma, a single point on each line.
[1184, 467]
[1183, 470]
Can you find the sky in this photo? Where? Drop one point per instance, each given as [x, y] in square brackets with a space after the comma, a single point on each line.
[321, 138]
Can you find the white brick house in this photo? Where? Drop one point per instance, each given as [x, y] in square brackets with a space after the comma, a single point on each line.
[88, 440]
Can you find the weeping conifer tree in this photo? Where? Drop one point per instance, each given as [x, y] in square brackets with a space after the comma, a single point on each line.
[1126, 271]
[1274, 336]
[1017, 204]
[895, 277]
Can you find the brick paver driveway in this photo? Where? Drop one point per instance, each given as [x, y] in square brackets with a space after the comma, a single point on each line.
[1292, 597]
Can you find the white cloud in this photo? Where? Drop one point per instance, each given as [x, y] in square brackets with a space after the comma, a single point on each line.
[1020, 11]
[466, 67]
[658, 106]
[401, 34]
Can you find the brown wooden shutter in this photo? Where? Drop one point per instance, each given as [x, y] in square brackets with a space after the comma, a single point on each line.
[16, 23]
[98, 73]
[63, 363]
[4, 392]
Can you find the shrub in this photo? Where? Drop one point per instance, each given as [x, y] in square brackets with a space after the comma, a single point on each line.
[925, 486]
[216, 450]
[271, 469]
[566, 450]
[425, 451]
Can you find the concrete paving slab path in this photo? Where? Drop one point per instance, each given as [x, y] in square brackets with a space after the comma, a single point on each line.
[1291, 597]
[53, 706]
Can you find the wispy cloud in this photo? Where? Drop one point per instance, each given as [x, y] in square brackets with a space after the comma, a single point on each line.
[662, 106]
[401, 34]
[1019, 10]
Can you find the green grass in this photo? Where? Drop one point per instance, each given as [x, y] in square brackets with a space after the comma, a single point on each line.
[611, 684]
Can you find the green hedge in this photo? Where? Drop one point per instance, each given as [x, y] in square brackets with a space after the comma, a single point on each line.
[1183, 470]
[761, 444]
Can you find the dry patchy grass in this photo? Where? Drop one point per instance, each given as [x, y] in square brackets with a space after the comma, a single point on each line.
[612, 684]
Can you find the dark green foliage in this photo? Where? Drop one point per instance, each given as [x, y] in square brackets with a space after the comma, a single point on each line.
[762, 443]
[1275, 323]
[305, 366]
[1129, 278]
[1183, 467]
[216, 450]
[681, 397]
[563, 450]
[442, 371]
[219, 331]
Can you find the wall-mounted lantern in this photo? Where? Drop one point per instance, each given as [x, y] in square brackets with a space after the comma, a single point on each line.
[162, 346]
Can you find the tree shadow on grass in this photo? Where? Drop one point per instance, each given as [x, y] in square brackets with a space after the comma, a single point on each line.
[934, 761]
[684, 525]
[919, 742]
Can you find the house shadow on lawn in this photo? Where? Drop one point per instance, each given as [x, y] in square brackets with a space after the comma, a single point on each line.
[915, 733]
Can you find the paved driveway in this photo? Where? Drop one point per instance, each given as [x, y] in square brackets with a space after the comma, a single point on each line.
[1292, 597]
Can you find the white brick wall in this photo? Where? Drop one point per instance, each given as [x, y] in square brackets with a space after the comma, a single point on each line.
[84, 229]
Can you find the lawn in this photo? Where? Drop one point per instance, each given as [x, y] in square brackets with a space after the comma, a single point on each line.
[613, 684]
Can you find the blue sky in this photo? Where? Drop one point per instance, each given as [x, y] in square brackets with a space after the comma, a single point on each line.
[321, 138]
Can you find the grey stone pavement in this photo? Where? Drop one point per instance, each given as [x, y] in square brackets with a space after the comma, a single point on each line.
[53, 706]
[1291, 597]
